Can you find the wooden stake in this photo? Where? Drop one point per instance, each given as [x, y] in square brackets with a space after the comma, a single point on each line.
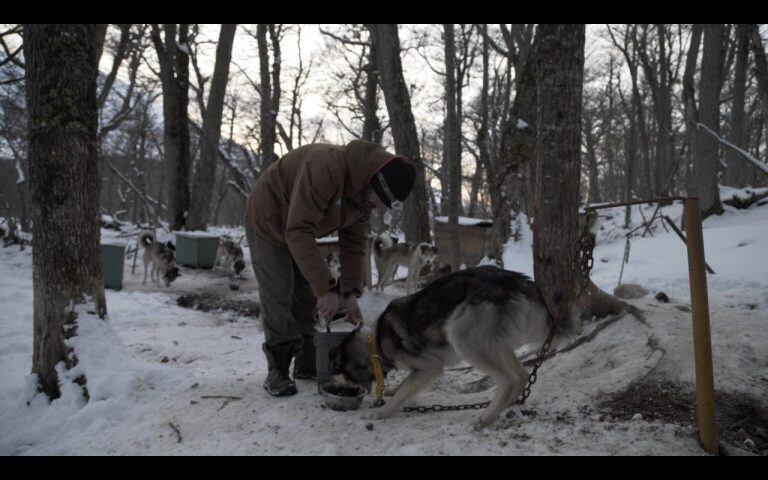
[702, 343]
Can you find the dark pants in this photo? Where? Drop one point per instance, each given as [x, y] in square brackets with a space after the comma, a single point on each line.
[287, 301]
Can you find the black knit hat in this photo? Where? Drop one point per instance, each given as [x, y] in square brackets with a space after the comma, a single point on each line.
[395, 181]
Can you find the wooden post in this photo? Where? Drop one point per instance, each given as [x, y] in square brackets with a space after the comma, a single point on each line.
[702, 344]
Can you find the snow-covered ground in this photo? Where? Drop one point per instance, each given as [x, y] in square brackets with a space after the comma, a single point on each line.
[169, 380]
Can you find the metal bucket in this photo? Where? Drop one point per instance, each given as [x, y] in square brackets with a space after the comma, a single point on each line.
[324, 343]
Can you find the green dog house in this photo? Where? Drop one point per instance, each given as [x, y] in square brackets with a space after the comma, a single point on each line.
[196, 249]
[112, 264]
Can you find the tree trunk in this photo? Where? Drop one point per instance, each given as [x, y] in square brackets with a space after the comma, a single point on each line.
[690, 110]
[737, 169]
[270, 94]
[513, 183]
[174, 76]
[387, 44]
[372, 131]
[484, 157]
[61, 71]
[761, 66]
[557, 162]
[200, 207]
[706, 165]
[452, 143]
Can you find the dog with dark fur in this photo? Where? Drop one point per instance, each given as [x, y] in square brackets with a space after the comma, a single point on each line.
[230, 256]
[480, 315]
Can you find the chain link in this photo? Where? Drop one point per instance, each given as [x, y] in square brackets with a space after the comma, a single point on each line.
[583, 265]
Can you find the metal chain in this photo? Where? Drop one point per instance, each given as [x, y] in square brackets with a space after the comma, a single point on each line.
[444, 408]
[586, 242]
[585, 261]
[624, 260]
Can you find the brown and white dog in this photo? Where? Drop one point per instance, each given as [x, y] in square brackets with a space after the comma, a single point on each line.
[388, 255]
[162, 259]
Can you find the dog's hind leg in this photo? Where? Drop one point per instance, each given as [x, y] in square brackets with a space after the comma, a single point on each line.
[510, 378]
[485, 346]
[415, 382]
[389, 271]
[505, 371]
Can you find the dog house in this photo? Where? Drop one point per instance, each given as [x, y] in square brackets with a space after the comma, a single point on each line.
[196, 249]
[475, 236]
[112, 264]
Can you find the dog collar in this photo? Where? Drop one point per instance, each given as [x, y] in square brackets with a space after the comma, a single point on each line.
[375, 359]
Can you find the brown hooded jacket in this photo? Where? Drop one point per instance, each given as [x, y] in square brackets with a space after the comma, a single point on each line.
[311, 192]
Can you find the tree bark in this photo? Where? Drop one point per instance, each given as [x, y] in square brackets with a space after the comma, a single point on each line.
[690, 109]
[200, 206]
[557, 162]
[706, 166]
[61, 72]
[372, 130]
[270, 91]
[452, 143]
[174, 76]
[737, 171]
[387, 45]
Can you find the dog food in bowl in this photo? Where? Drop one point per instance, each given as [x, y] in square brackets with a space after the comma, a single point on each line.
[342, 398]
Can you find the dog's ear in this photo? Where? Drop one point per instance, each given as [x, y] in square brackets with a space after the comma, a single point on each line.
[170, 245]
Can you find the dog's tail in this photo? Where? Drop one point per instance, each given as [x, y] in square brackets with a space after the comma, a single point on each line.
[146, 239]
[384, 240]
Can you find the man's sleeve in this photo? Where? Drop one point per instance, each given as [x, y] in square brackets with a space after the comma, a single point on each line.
[313, 190]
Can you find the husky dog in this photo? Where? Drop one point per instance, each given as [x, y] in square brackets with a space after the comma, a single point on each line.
[480, 315]
[388, 255]
[230, 255]
[334, 265]
[162, 259]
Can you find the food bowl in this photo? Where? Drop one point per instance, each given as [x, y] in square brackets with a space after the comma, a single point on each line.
[342, 398]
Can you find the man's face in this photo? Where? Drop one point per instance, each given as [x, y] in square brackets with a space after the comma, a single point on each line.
[374, 199]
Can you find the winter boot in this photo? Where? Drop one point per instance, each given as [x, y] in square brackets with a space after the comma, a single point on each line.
[278, 383]
[304, 367]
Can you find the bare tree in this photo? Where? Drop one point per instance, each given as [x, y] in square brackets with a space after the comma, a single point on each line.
[452, 146]
[205, 175]
[173, 57]
[557, 160]
[270, 86]
[706, 166]
[387, 46]
[358, 81]
[61, 72]
[735, 173]
[629, 48]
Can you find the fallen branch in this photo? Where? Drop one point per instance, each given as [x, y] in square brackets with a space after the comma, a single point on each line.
[226, 398]
[762, 166]
[176, 430]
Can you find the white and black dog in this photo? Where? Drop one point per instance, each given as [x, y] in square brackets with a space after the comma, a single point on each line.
[334, 265]
[230, 256]
[162, 258]
[388, 255]
[480, 315]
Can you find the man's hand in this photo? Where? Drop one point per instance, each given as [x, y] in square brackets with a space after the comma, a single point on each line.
[328, 305]
[354, 315]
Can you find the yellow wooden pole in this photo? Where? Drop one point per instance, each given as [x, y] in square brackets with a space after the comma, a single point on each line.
[702, 343]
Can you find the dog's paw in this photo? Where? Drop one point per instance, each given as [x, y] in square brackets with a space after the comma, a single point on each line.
[481, 425]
